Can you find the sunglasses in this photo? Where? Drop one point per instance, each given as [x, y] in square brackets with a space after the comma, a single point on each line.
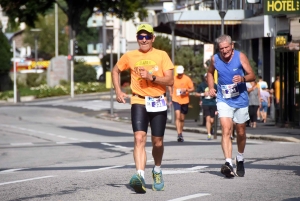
[141, 37]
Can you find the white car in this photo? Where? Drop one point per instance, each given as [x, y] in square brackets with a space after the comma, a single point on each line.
[100, 75]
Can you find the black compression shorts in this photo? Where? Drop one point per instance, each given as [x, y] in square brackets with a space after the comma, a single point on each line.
[140, 119]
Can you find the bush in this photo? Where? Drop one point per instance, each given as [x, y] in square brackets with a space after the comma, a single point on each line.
[84, 73]
[44, 90]
[35, 79]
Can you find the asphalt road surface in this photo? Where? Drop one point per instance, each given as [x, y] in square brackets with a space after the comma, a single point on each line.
[55, 154]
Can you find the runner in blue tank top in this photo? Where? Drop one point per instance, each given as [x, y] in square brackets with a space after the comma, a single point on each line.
[234, 71]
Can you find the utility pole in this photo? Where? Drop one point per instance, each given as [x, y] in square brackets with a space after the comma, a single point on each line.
[72, 67]
[222, 13]
[15, 73]
[56, 30]
[111, 88]
[36, 31]
[104, 34]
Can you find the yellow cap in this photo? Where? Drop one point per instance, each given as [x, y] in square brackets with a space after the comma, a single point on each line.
[145, 27]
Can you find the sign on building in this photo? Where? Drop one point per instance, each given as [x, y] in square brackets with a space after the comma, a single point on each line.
[273, 7]
[280, 41]
[57, 71]
[208, 52]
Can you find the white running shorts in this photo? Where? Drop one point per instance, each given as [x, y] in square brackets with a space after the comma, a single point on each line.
[239, 115]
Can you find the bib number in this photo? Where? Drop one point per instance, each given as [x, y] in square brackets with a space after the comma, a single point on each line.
[230, 90]
[155, 104]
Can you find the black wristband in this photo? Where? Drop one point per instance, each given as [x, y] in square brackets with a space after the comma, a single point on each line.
[244, 79]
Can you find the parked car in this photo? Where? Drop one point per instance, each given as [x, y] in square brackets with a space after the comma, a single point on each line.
[100, 75]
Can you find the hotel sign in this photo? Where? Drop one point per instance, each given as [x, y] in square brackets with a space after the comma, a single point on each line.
[273, 7]
[280, 41]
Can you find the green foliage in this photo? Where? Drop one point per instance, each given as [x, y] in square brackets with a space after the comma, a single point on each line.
[84, 73]
[43, 91]
[105, 61]
[5, 82]
[5, 63]
[163, 43]
[5, 54]
[45, 38]
[185, 56]
[35, 79]
[27, 10]
[192, 63]
[254, 67]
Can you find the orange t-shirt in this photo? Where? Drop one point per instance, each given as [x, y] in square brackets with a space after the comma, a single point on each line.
[184, 83]
[156, 62]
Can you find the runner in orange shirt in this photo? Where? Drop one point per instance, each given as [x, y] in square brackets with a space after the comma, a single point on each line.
[151, 71]
[180, 99]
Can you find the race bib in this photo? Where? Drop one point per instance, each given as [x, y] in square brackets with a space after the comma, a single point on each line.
[230, 90]
[206, 90]
[155, 104]
[178, 92]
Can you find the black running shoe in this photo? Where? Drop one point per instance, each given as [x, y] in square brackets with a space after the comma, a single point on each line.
[240, 170]
[227, 170]
[180, 139]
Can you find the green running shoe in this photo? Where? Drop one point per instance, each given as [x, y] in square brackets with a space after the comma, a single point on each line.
[137, 183]
[158, 182]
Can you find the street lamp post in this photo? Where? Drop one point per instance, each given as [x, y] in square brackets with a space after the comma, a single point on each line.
[36, 31]
[111, 88]
[111, 67]
[222, 13]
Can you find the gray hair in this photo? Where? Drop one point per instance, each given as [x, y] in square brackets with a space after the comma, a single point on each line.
[223, 38]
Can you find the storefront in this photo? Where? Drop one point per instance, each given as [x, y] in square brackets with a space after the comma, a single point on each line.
[287, 111]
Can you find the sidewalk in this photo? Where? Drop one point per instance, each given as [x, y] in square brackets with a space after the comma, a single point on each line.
[263, 131]
[267, 131]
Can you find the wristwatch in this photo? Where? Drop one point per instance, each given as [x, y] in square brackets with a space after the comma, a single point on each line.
[153, 78]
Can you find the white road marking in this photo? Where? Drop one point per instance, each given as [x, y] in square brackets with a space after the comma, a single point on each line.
[31, 179]
[84, 140]
[39, 132]
[105, 168]
[190, 197]
[254, 142]
[71, 138]
[113, 145]
[184, 171]
[111, 167]
[286, 142]
[21, 144]
[64, 142]
[12, 170]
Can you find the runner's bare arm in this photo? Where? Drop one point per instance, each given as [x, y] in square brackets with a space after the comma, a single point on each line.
[166, 80]
[115, 78]
[210, 77]
[250, 76]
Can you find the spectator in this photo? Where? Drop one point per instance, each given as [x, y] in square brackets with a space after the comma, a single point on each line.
[265, 103]
[254, 103]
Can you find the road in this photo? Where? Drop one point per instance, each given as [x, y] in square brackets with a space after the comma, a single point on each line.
[48, 153]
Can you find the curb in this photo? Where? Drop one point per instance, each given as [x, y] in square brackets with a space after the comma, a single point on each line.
[106, 116]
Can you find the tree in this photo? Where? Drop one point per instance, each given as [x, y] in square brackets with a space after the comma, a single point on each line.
[5, 63]
[27, 10]
[192, 63]
[163, 43]
[46, 45]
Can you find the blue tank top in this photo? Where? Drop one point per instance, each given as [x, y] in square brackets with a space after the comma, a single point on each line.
[226, 71]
